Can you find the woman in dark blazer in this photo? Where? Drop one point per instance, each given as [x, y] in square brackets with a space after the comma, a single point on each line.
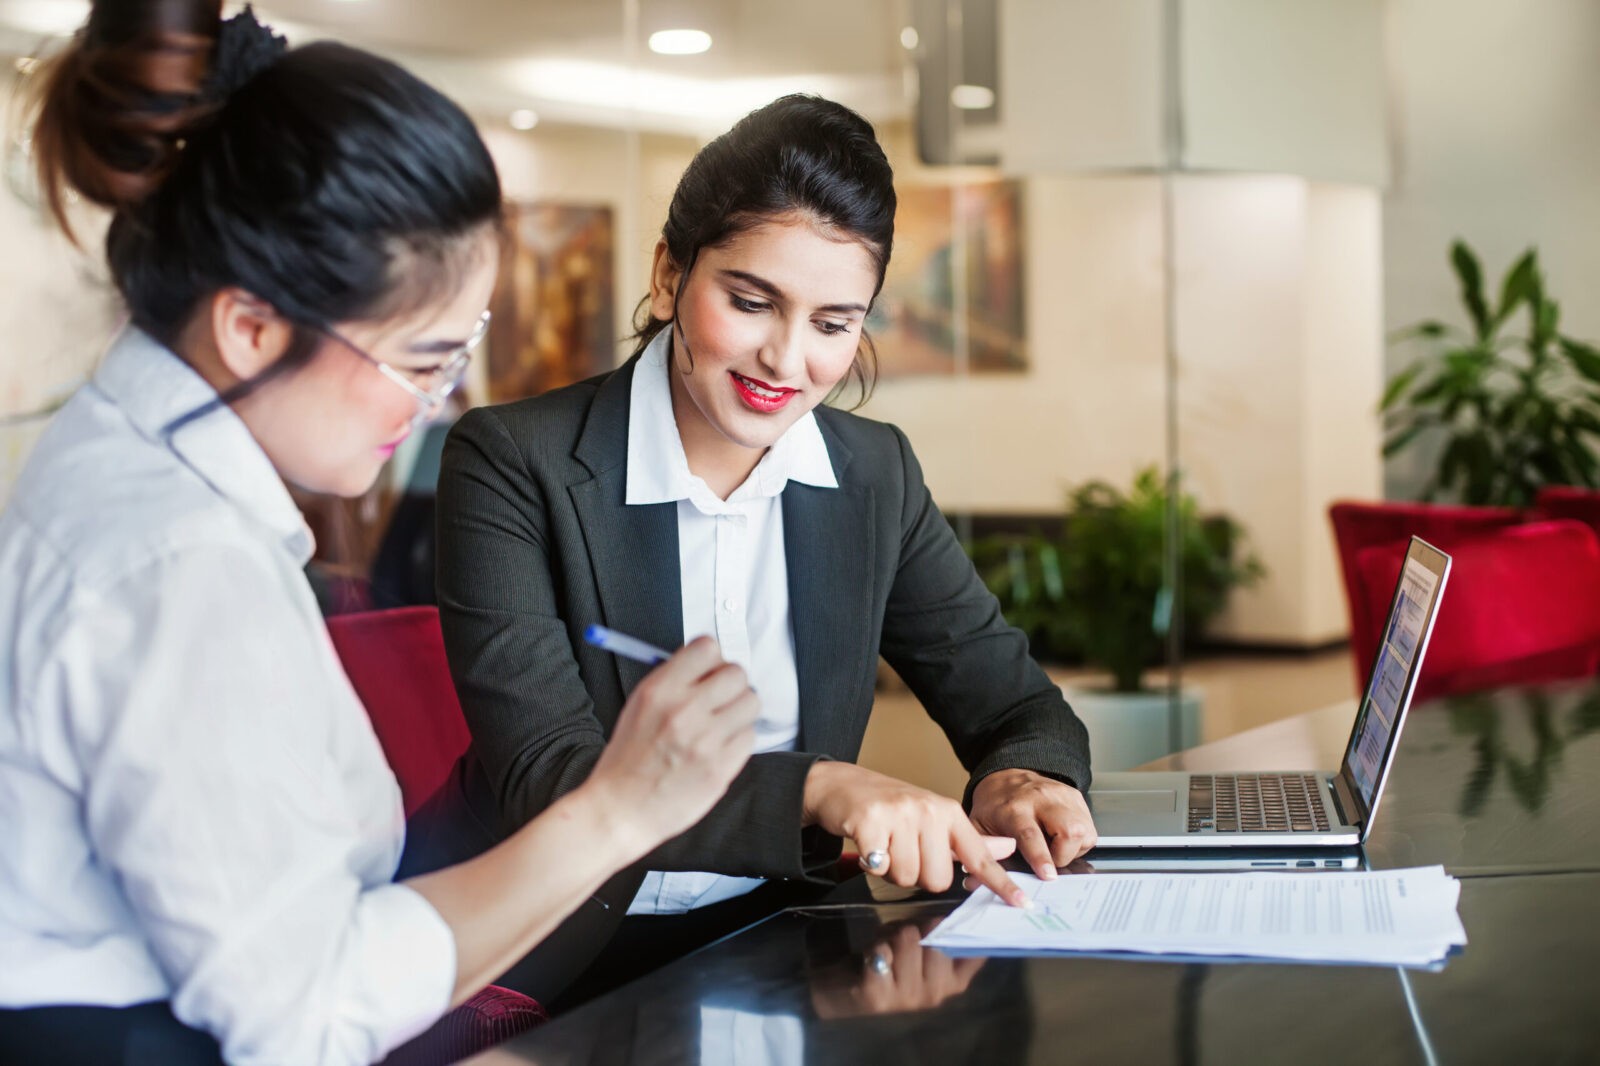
[704, 484]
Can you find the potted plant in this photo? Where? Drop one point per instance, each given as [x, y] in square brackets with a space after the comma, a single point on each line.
[1101, 590]
[1511, 411]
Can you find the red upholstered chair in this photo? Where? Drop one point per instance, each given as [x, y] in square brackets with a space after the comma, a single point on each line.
[1530, 593]
[395, 660]
[491, 1017]
[1357, 526]
[1569, 501]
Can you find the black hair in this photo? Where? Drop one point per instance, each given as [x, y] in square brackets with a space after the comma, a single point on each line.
[797, 155]
[331, 184]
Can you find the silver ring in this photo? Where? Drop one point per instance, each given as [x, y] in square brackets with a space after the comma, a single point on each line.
[878, 965]
[875, 861]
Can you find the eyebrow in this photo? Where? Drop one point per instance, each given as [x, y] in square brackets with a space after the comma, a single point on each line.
[758, 282]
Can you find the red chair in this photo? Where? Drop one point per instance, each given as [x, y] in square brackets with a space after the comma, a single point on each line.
[1526, 594]
[491, 1017]
[1358, 526]
[395, 661]
[1569, 501]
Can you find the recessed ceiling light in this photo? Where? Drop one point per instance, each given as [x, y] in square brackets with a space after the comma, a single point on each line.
[523, 119]
[679, 42]
[972, 97]
[909, 38]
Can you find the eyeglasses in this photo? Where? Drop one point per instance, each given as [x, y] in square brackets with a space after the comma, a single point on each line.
[430, 387]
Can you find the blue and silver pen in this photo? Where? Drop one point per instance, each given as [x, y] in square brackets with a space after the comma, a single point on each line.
[627, 647]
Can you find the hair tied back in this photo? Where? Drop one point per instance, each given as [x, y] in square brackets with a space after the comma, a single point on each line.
[245, 48]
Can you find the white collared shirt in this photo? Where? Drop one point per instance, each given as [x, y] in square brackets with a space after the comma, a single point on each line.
[734, 574]
[193, 805]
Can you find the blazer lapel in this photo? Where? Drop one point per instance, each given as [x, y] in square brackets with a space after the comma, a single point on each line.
[827, 538]
[633, 551]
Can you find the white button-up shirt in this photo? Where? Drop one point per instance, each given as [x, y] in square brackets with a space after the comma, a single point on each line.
[193, 805]
[734, 576]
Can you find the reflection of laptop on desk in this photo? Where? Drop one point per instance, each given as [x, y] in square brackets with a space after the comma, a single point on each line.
[1219, 810]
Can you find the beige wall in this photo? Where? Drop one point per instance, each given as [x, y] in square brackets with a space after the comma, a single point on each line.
[588, 165]
[56, 307]
[1494, 108]
[1280, 352]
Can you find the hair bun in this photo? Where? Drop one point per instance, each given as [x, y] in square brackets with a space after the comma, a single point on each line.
[245, 48]
[116, 107]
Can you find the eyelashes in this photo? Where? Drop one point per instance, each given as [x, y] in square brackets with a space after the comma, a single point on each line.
[756, 307]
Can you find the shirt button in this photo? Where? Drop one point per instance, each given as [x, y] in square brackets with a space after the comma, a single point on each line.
[730, 604]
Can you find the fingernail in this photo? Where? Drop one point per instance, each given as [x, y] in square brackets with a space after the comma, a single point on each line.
[1049, 873]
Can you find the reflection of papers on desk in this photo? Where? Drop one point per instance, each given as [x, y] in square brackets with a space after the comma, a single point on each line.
[1391, 917]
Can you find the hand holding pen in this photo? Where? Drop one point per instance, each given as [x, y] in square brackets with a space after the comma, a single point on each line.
[975, 852]
[683, 735]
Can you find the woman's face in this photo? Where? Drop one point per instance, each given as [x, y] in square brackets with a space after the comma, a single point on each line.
[331, 426]
[767, 325]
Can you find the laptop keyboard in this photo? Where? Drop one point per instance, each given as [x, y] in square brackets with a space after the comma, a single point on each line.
[1256, 803]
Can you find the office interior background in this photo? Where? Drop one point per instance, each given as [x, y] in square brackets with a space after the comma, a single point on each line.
[1169, 235]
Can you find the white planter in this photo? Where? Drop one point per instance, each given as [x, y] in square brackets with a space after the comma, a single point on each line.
[1127, 729]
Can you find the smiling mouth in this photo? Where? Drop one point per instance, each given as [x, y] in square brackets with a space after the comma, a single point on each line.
[761, 389]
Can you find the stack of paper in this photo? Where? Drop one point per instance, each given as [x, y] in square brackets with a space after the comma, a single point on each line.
[1391, 917]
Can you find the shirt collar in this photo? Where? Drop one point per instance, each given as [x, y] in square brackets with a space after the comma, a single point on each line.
[153, 387]
[658, 470]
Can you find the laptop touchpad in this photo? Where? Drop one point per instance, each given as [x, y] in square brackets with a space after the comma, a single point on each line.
[1134, 801]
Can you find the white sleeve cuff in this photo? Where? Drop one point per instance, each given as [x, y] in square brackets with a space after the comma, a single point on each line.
[408, 972]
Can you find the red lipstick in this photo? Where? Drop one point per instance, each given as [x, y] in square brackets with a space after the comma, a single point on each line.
[759, 396]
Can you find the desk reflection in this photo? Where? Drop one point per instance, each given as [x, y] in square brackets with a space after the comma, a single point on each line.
[896, 975]
[805, 987]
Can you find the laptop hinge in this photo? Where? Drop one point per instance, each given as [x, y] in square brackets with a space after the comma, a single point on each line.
[1344, 803]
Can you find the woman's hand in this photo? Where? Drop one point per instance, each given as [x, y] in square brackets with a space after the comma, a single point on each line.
[1049, 820]
[898, 975]
[922, 833]
[684, 734]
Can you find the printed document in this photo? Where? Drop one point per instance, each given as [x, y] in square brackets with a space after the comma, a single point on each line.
[1390, 917]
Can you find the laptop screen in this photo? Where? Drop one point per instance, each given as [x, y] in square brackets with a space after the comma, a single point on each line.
[1400, 651]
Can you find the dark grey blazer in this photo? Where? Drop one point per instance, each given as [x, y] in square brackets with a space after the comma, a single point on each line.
[535, 543]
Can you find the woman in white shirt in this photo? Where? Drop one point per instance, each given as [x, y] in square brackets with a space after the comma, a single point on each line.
[706, 487]
[194, 810]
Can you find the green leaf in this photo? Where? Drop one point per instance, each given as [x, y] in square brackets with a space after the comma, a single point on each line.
[1584, 358]
[1471, 276]
[1399, 384]
[1545, 322]
[1430, 328]
[1438, 389]
[1585, 420]
[1394, 444]
[1522, 281]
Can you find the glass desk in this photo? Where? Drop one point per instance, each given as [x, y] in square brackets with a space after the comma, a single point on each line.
[1502, 788]
[1498, 782]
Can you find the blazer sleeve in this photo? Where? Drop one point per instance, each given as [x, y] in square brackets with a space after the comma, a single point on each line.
[944, 634]
[534, 723]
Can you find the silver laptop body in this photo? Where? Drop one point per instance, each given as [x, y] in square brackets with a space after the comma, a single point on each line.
[1296, 808]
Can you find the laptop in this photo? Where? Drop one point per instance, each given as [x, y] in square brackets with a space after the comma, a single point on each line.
[1291, 809]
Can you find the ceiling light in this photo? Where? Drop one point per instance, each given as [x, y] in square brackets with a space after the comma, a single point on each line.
[972, 97]
[523, 119]
[909, 38]
[679, 42]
